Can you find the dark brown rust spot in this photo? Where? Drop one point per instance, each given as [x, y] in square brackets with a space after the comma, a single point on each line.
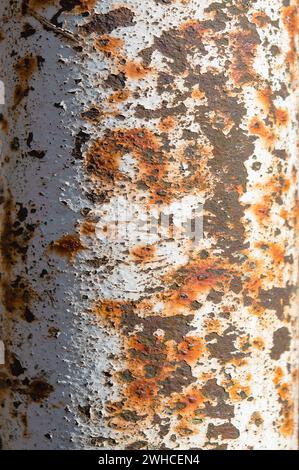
[224, 431]
[39, 390]
[244, 43]
[106, 23]
[281, 342]
[67, 245]
[25, 69]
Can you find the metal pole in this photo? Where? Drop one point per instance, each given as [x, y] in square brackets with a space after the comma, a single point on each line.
[148, 224]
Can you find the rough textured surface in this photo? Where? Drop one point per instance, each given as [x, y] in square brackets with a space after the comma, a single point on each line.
[136, 342]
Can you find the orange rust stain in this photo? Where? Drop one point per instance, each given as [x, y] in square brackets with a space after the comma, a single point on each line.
[190, 350]
[167, 124]
[258, 343]
[236, 391]
[243, 342]
[279, 184]
[110, 311]
[284, 214]
[278, 375]
[287, 421]
[197, 94]
[67, 245]
[194, 27]
[266, 98]
[194, 279]
[103, 159]
[287, 426]
[192, 400]
[276, 252]
[136, 71]
[109, 45]
[119, 96]
[281, 116]
[88, 228]
[141, 393]
[25, 68]
[102, 163]
[261, 211]
[284, 391]
[291, 23]
[274, 186]
[260, 19]
[258, 128]
[256, 418]
[143, 253]
[213, 326]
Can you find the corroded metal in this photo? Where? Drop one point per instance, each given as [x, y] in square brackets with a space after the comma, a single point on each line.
[141, 108]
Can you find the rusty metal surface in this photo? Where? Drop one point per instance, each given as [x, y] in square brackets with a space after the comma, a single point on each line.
[140, 108]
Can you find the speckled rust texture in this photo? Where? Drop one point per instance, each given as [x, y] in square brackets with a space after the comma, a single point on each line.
[196, 104]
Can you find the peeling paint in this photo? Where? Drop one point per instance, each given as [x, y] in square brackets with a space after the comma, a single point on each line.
[150, 342]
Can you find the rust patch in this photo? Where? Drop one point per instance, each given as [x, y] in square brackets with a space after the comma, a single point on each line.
[259, 343]
[282, 117]
[119, 96]
[236, 391]
[3, 124]
[291, 23]
[244, 44]
[88, 227]
[190, 350]
[258, 127]
[197, 94]
[194, 280]
[25, 69]
[135, 71]
[106, 23]
[39, 390]
[257, 419]
[284, 390]
[103, 159]
[67, 245]
[167, 124]
[109, 45]
[265, 96]
[260, 19]
[16, 233]
[225, 431]
[110, 311]
[157, 354]
[281, 342]
[143, 253]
